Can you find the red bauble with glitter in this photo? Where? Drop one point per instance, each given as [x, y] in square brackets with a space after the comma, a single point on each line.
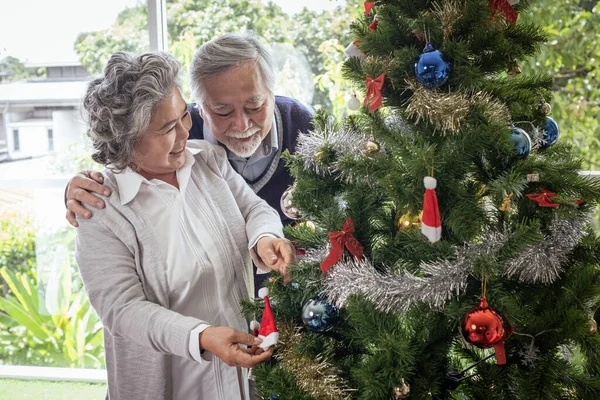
[483, 327]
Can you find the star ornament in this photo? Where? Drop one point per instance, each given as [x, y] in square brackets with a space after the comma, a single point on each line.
[544, 199]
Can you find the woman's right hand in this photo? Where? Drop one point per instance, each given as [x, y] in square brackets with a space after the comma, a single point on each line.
[78, 191]
[224, 342]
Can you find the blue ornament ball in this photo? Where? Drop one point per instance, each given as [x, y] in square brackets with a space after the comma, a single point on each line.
[431, 69]
[522, 142]
[319, 315]
[274, 397]
[551, 133]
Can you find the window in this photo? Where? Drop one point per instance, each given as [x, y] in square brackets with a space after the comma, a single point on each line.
[50, 140]
[43, 77]
[16, 142]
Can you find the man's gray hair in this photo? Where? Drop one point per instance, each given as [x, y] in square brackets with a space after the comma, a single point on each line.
[118, 105]
[226, 52]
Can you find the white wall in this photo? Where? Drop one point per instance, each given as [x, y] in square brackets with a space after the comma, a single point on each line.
[33, 139]
[68, 129]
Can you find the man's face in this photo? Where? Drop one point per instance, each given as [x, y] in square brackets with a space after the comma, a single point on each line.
[238, 108]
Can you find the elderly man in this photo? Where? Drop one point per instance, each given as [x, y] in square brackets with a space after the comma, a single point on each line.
[233, 82]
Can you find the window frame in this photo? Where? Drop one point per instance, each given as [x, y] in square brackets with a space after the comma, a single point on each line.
[157, 25]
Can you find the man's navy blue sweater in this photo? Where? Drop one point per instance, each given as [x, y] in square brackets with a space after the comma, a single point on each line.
[292, 118]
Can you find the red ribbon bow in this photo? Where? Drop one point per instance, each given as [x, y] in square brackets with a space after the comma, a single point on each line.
[338, 240]
[509, 12]
[368, 6]
[374, 92]
[544, 199]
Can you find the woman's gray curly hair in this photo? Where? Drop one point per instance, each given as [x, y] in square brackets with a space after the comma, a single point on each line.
[118, 105]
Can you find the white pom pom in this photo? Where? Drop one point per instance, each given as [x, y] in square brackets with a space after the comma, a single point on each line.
[430, 182]
[263, 292]
[254, 325]
[513, 2]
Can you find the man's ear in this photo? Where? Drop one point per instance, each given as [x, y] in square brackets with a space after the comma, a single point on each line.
[200, 110]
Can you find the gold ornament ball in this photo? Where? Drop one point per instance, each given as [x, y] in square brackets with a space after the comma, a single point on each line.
[593, 325]
[402, 391]
[372, 147]
[307, 224]
[547, 108]
[408, 221]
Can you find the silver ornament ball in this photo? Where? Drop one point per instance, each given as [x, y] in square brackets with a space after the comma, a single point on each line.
[353, 103]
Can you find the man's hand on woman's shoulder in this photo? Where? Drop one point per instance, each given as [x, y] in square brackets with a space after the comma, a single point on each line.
[79, 191]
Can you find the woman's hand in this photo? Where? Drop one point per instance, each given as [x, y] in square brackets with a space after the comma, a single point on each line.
[224, 342]
[277, 254]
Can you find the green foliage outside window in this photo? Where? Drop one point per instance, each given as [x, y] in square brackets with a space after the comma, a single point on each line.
[48, 323]
[17, 243]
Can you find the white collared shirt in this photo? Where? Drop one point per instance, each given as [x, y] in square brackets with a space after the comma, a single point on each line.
[253, 167]
[197, 288]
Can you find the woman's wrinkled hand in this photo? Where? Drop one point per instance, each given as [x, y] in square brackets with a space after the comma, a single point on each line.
[224, 342]
[277, 254]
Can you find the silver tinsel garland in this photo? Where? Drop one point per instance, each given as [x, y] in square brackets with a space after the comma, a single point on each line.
[544, 262]
[397, 292]
[440, 280]
[341, 141]
[318, 254]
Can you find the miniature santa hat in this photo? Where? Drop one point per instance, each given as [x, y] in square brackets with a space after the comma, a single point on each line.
[268, 330]
[431, 225]
[354, 51]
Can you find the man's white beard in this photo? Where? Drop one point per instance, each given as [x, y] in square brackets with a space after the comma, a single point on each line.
[245, 149]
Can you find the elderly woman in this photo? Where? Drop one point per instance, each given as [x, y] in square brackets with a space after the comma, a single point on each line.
[167, 261]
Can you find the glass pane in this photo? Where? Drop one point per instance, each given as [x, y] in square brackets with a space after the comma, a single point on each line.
[48, 52]
[307, 39]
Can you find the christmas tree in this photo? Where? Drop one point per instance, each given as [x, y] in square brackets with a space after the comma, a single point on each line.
[443, 228]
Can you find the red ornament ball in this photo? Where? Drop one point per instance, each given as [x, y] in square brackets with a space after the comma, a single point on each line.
[484, 327]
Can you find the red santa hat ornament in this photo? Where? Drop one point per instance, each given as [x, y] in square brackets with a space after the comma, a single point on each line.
[354, 51]
[431, 224]
[268, 330]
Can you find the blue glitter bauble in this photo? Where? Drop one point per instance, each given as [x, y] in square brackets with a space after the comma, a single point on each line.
[319, 315]
[551, 133]
[522, 142]
[431, 69]
[274, 397]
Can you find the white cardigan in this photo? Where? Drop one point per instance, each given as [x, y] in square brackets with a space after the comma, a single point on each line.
[124, 275]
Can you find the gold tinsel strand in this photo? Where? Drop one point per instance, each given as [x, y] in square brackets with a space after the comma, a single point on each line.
[448, 14]
[447, 111]
[313, 375]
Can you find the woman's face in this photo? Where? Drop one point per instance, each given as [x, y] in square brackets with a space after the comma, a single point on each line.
[161, 149]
